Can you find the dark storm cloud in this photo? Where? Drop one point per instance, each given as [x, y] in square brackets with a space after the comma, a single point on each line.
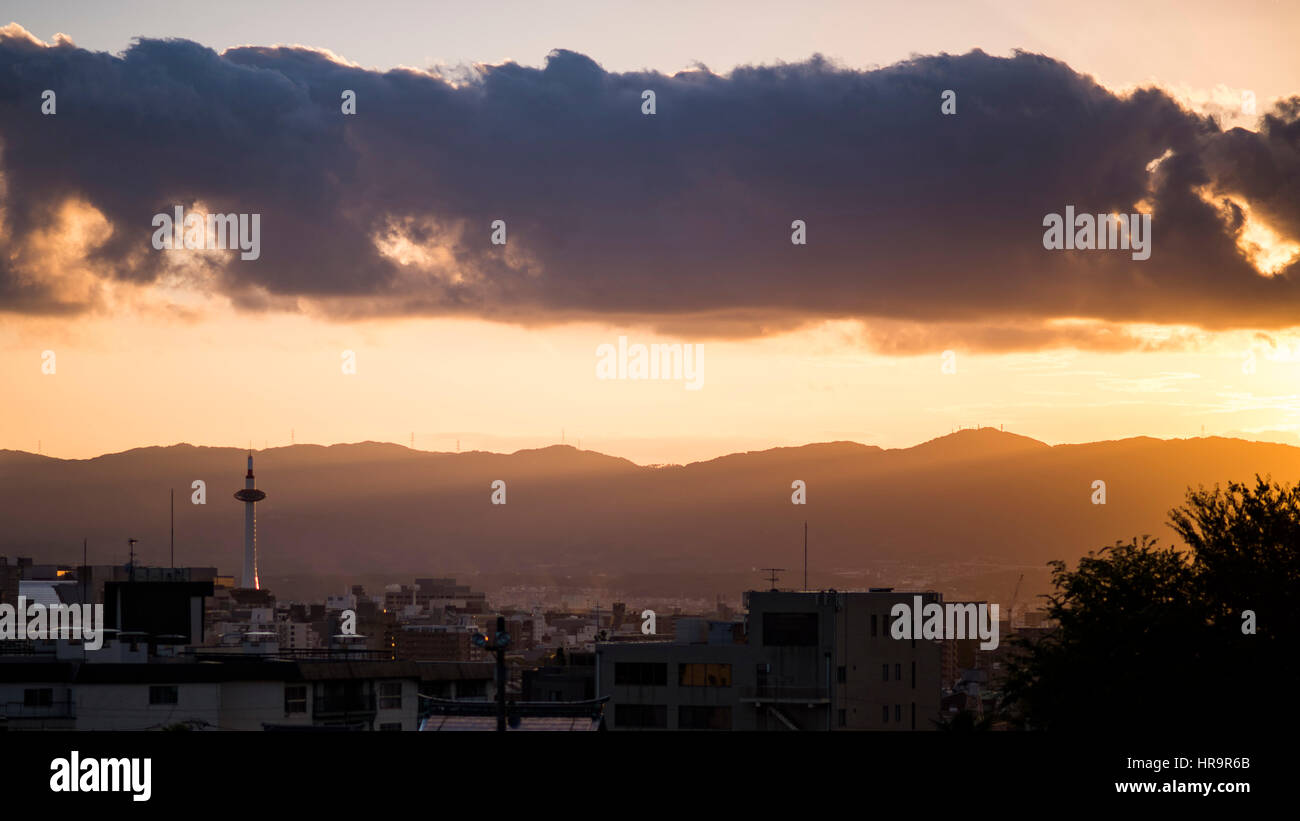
[681, 218]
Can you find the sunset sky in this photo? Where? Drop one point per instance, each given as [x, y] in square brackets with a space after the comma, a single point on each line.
[924, 230]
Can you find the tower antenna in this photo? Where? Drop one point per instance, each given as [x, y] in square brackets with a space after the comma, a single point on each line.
[250, 496]
[771, 575]
[805, 554]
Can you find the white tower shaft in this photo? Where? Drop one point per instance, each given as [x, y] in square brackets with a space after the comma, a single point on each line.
[250, 498]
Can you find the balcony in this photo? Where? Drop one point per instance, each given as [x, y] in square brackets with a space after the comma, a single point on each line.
[19, 713]
[785, 694]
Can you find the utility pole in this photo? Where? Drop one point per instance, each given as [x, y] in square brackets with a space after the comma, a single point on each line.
[1011, 611]
[130, 546]
[497, 645]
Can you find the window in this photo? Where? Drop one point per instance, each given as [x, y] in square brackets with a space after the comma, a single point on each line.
[898, 672]
[842, 674]
[163, 694]
[884, 714]
[471, 689]
[873, 625]
[390, 695]
[642, 673]
[39, 697]
[691, 717]
[884, 672]
[704, 675]
[391, 727]
[844, 717]
[913, 675]
[898, 712]
[643, 716]
[790, 629]
[295, 698]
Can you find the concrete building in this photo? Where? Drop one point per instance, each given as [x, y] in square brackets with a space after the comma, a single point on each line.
[9, 580]
[238, 693]
[436, 642]
[809, 661]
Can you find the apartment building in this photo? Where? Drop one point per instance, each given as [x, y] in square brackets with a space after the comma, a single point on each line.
[821, 660]
[237, 693]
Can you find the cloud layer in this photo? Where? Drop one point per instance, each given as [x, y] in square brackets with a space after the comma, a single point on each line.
[915, 219]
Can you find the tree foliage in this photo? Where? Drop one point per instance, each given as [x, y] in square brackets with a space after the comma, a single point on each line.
[1154, 637]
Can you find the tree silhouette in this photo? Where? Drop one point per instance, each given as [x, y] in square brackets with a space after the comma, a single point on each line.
[1154, 638]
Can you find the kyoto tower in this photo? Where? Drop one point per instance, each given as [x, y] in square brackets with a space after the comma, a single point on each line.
[250, 496]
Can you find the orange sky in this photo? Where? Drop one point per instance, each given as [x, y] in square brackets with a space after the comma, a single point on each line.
[171, 362]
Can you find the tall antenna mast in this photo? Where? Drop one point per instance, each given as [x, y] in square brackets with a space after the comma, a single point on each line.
[173, 528]
[805, 554]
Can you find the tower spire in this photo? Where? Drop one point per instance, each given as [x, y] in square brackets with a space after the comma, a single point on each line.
[250, 496]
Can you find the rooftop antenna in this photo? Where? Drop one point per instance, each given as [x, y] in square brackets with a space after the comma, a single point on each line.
[771, 575]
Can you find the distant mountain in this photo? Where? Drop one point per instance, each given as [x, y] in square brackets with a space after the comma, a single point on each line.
[372, 507]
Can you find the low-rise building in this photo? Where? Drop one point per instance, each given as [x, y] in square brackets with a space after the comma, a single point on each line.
[809, 661]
